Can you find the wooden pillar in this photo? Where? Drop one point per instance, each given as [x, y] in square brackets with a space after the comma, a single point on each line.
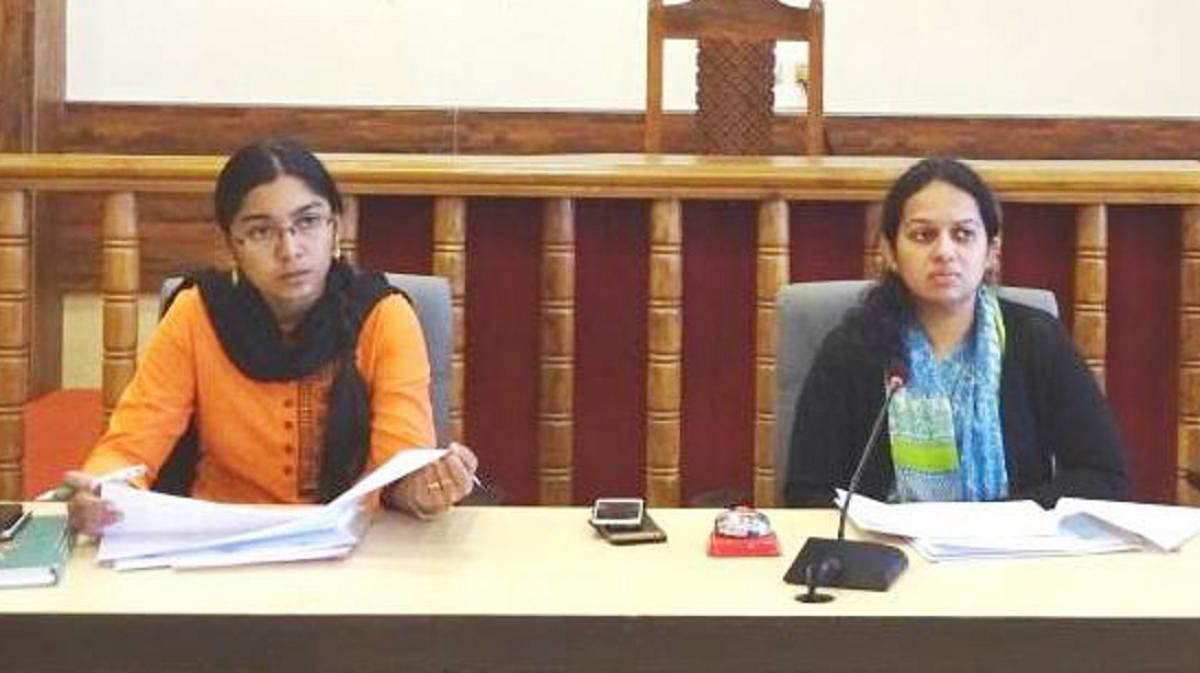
[32, 72]
[556, 401]
[348, 231]
[664, 369]
[872, 240]
[15, 255]
[1189, 345]
[32, 91]
[772, 274]
[450, 262]
[1091, 286]
[119, 285]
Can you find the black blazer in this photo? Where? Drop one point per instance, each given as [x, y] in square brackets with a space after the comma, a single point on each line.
[1059, 434]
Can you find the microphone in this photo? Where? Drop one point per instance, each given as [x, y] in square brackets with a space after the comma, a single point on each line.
[846, 563]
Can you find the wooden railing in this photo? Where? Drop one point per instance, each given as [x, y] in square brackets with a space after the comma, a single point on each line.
[665, 184]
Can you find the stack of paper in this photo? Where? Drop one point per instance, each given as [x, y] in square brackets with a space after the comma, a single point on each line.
[943, 531]
[158, 530]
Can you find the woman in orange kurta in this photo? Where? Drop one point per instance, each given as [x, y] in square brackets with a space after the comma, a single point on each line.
[285, 379]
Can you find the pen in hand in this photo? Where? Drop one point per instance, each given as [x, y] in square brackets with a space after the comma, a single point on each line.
[64, 491]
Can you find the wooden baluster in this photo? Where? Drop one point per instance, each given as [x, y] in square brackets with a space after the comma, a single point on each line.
[347, 243]
[450, 262]
[664, 415]
[1189, 348]
[772, 275]
[556, 402]
[119, 285]
[872, 239]
[15, 254]
[1091, 286]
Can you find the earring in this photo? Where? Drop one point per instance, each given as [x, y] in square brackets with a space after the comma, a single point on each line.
[233, 276]
[337, 250]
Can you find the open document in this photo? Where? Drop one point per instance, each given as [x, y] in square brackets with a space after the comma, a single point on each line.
[943, 531]
[158, 530]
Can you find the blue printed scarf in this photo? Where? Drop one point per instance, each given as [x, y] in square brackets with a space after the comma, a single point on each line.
[946, 437]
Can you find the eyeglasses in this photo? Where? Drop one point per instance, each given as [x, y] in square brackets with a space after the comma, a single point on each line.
[264, 235]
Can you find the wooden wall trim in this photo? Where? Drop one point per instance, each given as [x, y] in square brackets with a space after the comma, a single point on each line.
[218, 129]
[625, 176]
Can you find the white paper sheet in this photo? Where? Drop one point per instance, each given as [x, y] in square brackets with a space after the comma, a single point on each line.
[1167, 527]
[949, 531]
[951, 519]
[158, 530]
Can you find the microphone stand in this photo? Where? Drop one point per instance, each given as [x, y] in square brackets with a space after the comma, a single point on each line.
[850, 564]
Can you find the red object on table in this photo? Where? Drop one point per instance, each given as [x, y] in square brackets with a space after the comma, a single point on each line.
[724, 545]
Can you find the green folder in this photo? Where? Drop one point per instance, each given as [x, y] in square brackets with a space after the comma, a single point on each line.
[37, 555]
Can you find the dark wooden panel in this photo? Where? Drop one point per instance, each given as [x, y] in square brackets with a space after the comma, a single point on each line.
[612, 281]
[826, 241]
[717, 454]
[396, 234]
[195, 129]
[1038, 250]
[503, 341]
[1143, 344]
[1015, 137]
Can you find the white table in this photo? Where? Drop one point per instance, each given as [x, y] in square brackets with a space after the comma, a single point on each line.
[534, 588]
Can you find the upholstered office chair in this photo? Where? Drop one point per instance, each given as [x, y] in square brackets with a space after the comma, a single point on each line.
[805, 313]
[735, 74]
[431, 299]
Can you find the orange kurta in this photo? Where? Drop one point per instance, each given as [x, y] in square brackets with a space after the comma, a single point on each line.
[261, 441]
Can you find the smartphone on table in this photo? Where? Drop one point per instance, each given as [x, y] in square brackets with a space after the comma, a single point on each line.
[625, 521]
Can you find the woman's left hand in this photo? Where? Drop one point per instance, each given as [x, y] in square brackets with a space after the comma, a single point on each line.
[434, 488]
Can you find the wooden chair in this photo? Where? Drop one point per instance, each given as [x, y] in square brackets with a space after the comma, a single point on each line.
[736, 70]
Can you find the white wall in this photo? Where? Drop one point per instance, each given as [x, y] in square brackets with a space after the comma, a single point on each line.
[1045, 57]
[83, 336]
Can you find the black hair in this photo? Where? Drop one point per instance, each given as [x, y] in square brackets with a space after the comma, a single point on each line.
[939, 169]
[888, 305]
[263, 162]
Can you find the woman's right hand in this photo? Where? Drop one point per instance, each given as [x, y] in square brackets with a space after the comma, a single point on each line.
[86, 512]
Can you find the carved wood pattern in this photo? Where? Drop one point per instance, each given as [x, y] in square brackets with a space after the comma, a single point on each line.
[772, 274]
[556, 400]
[15, 318]
[119, 287]
[664, 415]
[1189, 346]
[450, 262]
[1091, 286]
[735, 96]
